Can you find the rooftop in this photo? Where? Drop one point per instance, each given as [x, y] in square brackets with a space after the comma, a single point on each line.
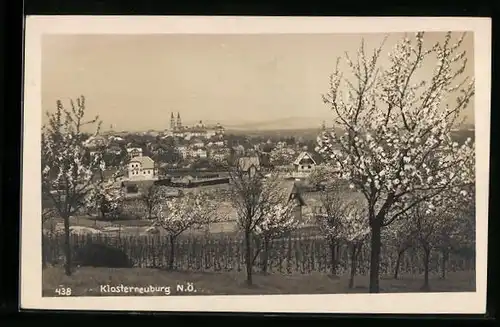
[293, 189]
[244, 163]
[304, 155]
[145, 161]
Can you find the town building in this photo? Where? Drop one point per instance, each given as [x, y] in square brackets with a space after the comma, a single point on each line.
[220, 154]
[142, 168]
[177, 129]
[198, 153]
[183, 150]
[197, 143]
[134, 152]
[295, 195]
[219, 144]
[303, 165]
[249, 165]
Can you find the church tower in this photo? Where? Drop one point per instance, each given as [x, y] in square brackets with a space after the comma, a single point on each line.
[172, 121]
[179, 123]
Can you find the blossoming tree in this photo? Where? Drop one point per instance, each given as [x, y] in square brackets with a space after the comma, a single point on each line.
[153, 197]
[48, 230]
[105, 198]
[394, 120]
[439, 224]
[278, 218]
[69, 170]
[251, 195]
[400, 237]
[329, 216]
[280, 156]
[179, 214]
[354, 232]
[322, 175]
[458, 232]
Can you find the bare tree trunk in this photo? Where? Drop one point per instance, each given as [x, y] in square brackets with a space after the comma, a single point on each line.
[427, 252]
[398, 263]
[375, 243]
[444, 259]
[354, 254]
[171, 258]
[333, 258]
[102, 210]
[44, 251]
[67, 246]
[265, 255]
[248, 257]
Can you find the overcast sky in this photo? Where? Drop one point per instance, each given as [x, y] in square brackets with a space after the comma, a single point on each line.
[135, 81]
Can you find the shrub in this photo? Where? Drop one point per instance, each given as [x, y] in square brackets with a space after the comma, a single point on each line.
[101, 255]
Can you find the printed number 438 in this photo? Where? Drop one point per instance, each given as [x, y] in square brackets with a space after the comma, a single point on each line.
[63, 291]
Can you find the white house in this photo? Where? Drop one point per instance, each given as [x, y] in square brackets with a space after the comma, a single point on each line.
[199, 153]
[142, 168]
[197, 143]
[303, 165]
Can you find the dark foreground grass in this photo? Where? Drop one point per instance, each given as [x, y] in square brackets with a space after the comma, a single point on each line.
[88, 281]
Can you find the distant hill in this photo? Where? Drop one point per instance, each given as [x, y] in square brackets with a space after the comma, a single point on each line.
[293, 123]
[311, 133]
[306, 133]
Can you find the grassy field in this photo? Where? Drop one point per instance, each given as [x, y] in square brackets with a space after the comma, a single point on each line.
[87, 281]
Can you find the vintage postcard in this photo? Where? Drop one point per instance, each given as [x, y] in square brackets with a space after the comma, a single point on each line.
[328, 165]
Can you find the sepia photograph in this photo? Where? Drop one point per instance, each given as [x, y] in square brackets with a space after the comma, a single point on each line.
[188, 163]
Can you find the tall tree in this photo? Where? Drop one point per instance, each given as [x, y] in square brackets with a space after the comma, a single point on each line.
[105, 198]
[177, 215]
[282, 156]
[400, 237]
[251, 195]
[330, 217]
[322, 175]
[438, 224]
[69, 170]
[278, 219]
[355, 231]
[153, 197]
[458, 233]
[394, 119]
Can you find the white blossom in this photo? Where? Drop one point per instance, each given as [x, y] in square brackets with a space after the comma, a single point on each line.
[410, 146]
[191, 210]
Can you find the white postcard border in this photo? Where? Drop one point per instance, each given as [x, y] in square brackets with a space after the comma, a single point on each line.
[409, 303]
